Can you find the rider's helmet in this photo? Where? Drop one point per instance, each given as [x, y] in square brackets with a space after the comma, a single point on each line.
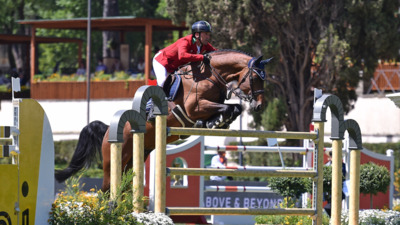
[201, 26]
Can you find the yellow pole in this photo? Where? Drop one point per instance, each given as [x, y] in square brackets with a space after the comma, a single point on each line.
[317, 204]
[241, 133]
[160, 173]
[354, 202]
[336, 201]
[115, 170]
[138, 164]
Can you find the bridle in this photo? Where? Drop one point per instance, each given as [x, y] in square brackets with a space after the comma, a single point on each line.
[237, 91]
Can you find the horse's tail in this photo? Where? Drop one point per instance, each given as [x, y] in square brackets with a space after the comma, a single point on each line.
[89, 144]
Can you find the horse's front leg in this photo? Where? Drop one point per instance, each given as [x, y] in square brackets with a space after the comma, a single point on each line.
[215, 115]
[224, 119]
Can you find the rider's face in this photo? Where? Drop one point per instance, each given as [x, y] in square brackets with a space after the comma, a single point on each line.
[205, 37]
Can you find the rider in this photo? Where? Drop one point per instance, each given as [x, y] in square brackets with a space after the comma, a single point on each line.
[190, 48]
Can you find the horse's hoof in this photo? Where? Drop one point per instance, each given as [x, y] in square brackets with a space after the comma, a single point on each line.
[199, 124]
[151, 119]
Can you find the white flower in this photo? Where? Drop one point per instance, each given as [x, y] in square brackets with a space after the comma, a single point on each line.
[373, 216]
[153, 218]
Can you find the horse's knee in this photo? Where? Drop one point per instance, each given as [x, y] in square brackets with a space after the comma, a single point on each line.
[237, 110]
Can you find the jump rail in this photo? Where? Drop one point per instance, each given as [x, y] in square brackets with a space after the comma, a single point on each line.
[241, 133]
[239, 173]
[238, 211]
[252, 189]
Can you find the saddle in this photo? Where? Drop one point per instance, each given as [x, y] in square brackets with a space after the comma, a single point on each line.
[171, 87]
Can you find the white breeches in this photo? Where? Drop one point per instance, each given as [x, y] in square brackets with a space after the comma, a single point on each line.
[159, 71]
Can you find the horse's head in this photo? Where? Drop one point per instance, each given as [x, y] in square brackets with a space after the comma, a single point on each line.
[251, 82]
[249, 72]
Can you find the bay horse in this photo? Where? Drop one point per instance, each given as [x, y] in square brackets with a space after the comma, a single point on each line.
[201, 97]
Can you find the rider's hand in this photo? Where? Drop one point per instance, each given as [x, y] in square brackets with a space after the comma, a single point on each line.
[206, 59]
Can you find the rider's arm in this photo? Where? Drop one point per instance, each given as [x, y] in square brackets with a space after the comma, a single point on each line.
[209, 48]
[184, 54]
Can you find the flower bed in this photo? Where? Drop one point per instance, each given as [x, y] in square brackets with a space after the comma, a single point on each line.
[74, 206]
[374, 217]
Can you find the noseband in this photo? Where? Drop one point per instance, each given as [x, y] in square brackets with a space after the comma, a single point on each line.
[237, 91]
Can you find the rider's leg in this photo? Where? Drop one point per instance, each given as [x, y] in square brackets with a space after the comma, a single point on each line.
[160, 71]
[161, 74]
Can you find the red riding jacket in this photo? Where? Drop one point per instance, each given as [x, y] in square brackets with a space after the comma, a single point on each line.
[183, 51]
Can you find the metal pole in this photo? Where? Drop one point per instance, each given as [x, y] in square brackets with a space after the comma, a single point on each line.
[88, 46]
[240, 138]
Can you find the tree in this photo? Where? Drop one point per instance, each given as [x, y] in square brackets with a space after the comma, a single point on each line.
[51, 57]
[290, 188]
[373, 179]
[111, 39]
[11, 11]
[316, 44]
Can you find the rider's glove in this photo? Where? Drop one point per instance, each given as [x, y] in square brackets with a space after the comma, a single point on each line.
[206, 59]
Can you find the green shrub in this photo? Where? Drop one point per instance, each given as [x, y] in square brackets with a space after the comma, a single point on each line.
[285, 219]
[373, 179]
[76, 207]
[290, 187]
[63, 151]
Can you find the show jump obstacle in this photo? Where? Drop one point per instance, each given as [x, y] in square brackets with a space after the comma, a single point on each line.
[136, 117]
[27, 169]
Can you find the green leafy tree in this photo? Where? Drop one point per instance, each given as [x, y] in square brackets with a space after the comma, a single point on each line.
[373, 179]
[290, 187]
[316, 44]
[53, 57]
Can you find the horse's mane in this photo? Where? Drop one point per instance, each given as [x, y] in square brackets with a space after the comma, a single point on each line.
[223, 51]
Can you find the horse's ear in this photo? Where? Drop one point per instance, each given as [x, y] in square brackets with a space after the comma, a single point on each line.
[263, 62]
[258, 60]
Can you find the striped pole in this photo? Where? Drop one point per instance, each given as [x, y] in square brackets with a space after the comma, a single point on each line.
[248, 189]
[243, 148]
[239, 173]
[262, 168]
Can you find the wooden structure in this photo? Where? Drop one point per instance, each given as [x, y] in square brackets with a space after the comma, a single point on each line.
[120, 24]
[386, 79]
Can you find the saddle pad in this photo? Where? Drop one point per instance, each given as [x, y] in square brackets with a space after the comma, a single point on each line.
[174, 87]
